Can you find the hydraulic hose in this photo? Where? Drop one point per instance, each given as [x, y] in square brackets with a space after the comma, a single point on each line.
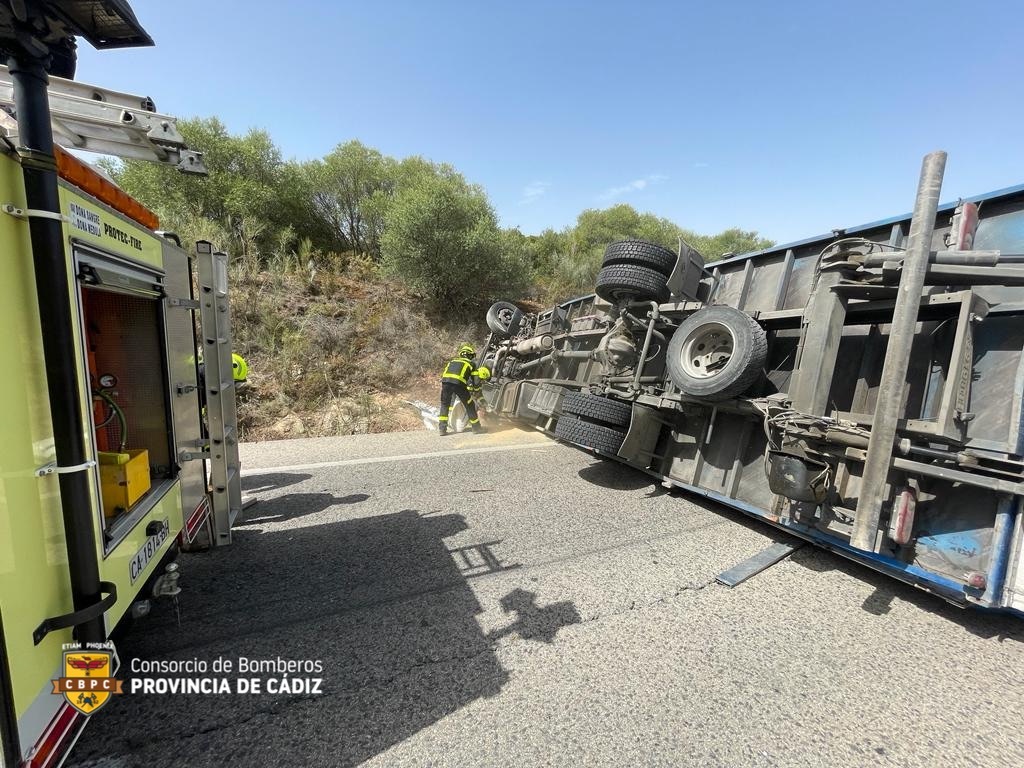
[122, 421]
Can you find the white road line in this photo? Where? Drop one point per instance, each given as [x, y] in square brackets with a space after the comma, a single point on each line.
[402, 457]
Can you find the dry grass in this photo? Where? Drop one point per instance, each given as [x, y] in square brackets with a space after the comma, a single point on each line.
[334, 355]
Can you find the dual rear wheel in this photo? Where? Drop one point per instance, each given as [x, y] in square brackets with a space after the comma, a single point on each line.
[635, 270]
[592, 421]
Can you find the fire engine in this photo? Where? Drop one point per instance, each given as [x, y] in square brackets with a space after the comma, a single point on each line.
[108, 465]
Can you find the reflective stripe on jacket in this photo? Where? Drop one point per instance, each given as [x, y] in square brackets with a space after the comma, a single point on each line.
[460, 369]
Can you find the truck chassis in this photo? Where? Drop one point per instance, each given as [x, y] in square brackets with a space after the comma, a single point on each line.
[861, 390]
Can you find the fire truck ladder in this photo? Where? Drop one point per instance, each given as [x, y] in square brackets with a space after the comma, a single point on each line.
[92, 119]
[221, 414]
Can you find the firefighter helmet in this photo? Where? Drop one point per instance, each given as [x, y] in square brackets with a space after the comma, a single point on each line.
[466, 350]
[239, 368]
[483, 373]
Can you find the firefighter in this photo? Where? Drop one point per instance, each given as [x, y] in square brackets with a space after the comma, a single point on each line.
[479, 376]
[458, 380]
[239, 375]
[239, 369]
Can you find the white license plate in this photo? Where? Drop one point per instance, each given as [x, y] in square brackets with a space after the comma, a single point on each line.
[147, 550]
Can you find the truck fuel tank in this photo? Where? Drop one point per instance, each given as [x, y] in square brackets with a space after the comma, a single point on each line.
[536, 345]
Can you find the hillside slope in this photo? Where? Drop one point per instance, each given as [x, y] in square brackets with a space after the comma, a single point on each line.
[331, 355]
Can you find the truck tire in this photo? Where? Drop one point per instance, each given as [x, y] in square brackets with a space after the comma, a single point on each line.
[642, 254]
[587, 435]
[717, 353]
[504, 318]
[618, 282]
[597, 409]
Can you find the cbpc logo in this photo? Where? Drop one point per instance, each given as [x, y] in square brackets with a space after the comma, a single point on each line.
[87, 683]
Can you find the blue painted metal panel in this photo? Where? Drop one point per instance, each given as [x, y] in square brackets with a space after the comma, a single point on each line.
[988, 197]
[906, 572]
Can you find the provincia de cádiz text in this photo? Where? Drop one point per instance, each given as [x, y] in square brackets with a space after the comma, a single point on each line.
[225, 676]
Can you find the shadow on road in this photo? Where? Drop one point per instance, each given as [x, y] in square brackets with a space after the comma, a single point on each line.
[381, 601]
[610, 474]
[887, 590]
[619, 477]
[294, 505]
[534, 622]
[271, 481]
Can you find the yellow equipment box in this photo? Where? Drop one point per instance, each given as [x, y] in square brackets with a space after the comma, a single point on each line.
[124, 479]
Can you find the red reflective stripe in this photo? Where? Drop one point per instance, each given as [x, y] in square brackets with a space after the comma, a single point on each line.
[57, 740]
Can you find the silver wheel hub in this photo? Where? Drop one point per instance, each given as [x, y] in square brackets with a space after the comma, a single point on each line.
[706, 350]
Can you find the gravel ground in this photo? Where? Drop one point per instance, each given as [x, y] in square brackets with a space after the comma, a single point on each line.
[505, 600]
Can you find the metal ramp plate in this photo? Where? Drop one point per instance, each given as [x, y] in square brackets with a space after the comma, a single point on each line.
[759, 562]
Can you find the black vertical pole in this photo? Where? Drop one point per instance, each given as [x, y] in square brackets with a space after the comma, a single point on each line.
[10, 740]
[53, 279]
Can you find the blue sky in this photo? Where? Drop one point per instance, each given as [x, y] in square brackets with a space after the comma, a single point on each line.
[786, 117]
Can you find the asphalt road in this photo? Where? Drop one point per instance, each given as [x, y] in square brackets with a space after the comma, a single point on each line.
[505, 600]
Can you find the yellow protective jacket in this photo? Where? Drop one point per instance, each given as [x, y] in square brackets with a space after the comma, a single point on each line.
[461, 370]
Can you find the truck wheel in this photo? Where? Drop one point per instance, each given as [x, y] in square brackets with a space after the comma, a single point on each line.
[642, 254]
[504, 318]
[618, 282]
[587, 435]
[717, 353]
[597, 409]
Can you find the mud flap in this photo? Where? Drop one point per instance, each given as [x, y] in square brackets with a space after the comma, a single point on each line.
[642, 437]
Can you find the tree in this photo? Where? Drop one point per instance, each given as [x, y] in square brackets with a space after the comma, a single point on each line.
[441, 237]
[595, 229]
[421, 219]
[343, 185]
[237, 199]
[567, 262]
[734, 240]
[570, 260]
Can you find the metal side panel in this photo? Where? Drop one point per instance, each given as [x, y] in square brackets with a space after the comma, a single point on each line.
[183, 381]
[526, 395]
[547, 400]
[1013, 596]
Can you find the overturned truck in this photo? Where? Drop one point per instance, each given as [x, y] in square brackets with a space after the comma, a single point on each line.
[861, 390]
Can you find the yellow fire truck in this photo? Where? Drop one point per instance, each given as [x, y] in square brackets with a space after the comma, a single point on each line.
[106, 465]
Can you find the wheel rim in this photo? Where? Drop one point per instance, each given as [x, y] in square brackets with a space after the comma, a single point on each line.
[505, 315]
[627, 295]
[707, 350]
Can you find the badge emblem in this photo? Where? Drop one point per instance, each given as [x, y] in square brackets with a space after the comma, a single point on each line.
[87, 684]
